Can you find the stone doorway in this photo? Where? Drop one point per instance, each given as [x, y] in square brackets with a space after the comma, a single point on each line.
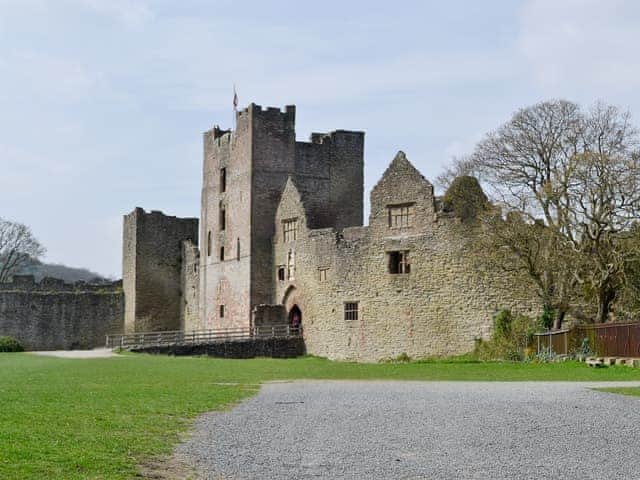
[295, 317]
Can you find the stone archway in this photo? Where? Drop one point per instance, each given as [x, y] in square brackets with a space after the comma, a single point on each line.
[289, 298]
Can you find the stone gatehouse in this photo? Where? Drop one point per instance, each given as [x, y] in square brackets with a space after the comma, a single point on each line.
[281, 239]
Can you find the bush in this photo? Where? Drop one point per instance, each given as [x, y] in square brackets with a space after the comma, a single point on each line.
[547, 317]
[465, 198]
[402, 358]
[502, 323]
[511, 339]
[9, 344]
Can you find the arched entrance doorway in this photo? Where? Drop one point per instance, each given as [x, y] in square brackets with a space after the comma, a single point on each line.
[295, 317]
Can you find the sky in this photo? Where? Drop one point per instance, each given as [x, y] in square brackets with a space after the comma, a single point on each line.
[103, 102]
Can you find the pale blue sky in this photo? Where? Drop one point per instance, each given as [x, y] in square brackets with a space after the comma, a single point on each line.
[103, 102]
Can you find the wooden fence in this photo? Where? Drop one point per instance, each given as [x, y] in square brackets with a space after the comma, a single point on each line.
[607, 340]
[195, 337]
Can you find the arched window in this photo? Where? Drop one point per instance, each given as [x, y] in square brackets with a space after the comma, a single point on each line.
[209, 244]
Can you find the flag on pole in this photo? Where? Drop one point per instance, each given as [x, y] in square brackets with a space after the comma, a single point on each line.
[235, 99]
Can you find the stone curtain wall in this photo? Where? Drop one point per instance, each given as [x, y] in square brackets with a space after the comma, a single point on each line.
[52, 315]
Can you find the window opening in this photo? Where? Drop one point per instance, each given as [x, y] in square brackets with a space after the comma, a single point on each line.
[399, 262]
[351, 311]
[290, 229]
[400, 216]
[223, 180]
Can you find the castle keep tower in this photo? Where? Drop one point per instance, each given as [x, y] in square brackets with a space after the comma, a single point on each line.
[244, 174]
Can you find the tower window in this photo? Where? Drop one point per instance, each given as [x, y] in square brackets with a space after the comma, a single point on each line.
[290, 229]
[322, 271]
[209, 243]
[221, 311]
[223, 180]
[223, 218]
[351, 310]
[281, 274]
[222, 254]
[400, 216]
[238, 249]
[291, 265]
[399, 262]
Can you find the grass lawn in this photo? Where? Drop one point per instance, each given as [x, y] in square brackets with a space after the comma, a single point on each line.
[631, 391]
[99, 418]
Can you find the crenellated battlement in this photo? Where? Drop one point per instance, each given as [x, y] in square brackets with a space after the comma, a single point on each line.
[289, 111]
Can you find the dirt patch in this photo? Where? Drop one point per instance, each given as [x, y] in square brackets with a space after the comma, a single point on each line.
[78, 354]
[171, 467]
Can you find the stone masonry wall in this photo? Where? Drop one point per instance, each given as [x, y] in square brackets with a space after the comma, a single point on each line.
[439, 308]
[152, 266]
[52, 315]
[258, 157]
[190, 281]
[226, 282]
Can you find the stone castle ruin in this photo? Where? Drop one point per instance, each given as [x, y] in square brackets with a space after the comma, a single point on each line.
[281, 240]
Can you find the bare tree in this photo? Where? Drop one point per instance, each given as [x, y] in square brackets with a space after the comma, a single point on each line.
[459, 167]
[515, 245]
[18, 246]
[580, 173]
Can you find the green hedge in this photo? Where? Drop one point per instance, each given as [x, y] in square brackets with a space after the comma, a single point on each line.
[10, 344]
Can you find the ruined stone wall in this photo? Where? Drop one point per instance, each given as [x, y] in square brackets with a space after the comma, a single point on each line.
[52, 315]
[440, 307]
[152, 266]
[190, 281]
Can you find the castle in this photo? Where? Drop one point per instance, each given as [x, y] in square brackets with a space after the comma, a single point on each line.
[281, 240]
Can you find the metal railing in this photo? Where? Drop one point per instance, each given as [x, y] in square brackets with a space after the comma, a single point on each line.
[557, 341]
[194, 337]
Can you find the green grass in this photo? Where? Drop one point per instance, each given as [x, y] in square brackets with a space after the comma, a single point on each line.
[631, 391]
[98, 419]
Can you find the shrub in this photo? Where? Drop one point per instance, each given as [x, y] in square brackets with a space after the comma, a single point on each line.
[402, 358]
[465, 198]
[9, 344]
[547, 317]
[502, 323]
[512, 336]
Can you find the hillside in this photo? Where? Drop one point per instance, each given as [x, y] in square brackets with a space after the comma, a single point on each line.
[69, 274]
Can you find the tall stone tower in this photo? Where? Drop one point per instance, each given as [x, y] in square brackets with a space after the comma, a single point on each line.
[152, 269]
[244, 174]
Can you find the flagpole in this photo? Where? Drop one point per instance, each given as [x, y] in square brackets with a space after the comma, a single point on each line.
[235, 107]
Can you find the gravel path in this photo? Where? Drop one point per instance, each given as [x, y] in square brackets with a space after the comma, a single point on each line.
[420, 430]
